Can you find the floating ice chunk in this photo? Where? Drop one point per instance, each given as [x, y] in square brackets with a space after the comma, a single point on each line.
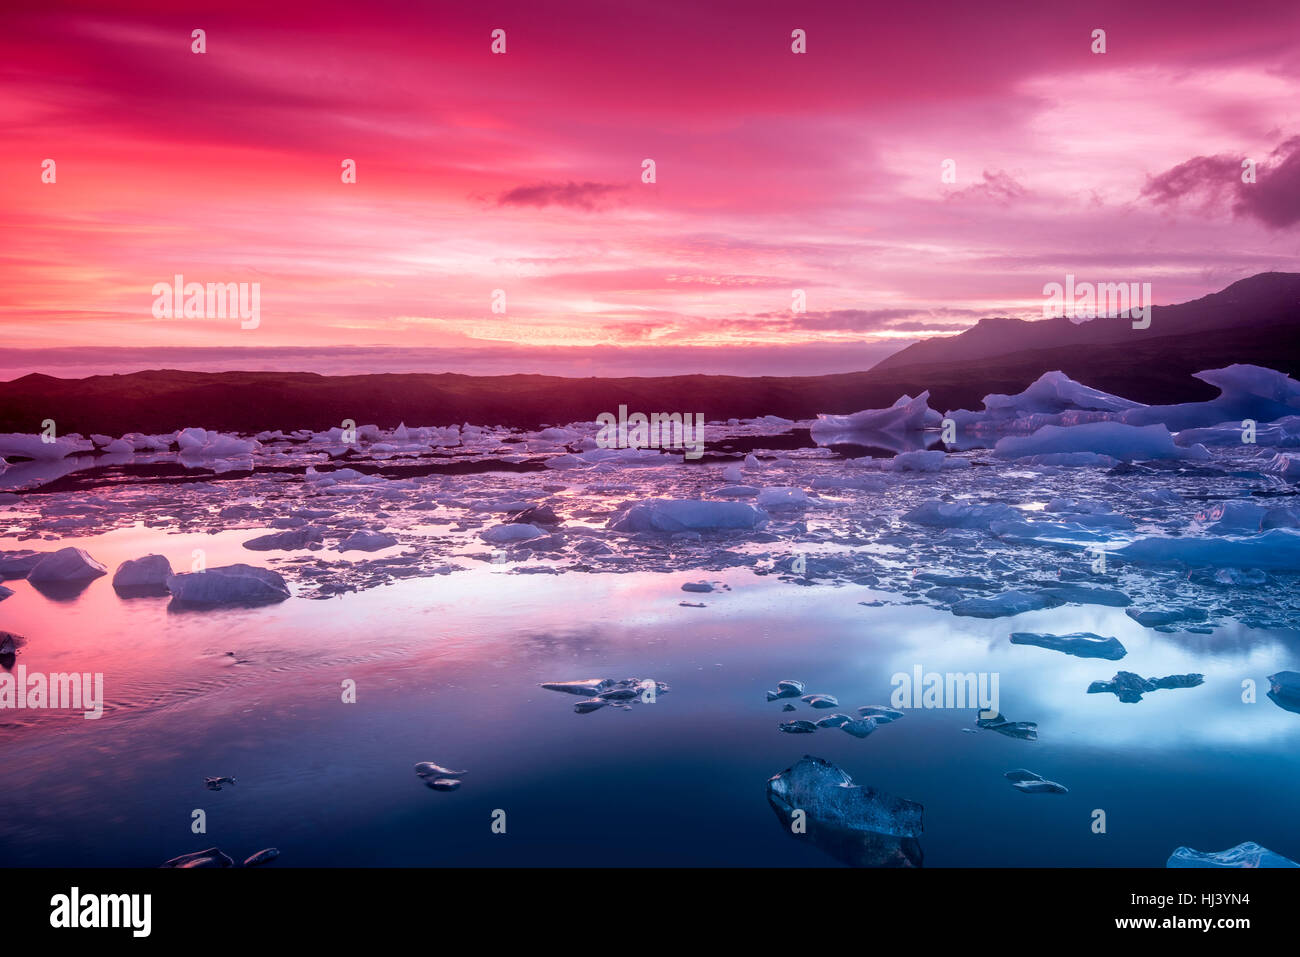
[698, 586]
[959, 514]
[1130, 687]
[1123, 442]
[202, 444]
[20, 444]
[786, 689]
[212, 857]
[855, 824]
[1284, 433]
[262, 857]
[935, 460]
[833, 721]
[535, 515]
[680, 515]
[1278, 548]
[1286, 684]
[882, 714]
[1285, 465]
[511, 532]
[66, 565]
[782, 497]
[228, 585]
[1069, 460]
[861, 727]
[1055, 392]
[1012, 602]
[586, 687]
[1024, 730]
[798, 726]
[147, 574]
[820, 700]
[1032, 783]
[17, 564]
[286, 541]
[1016, 530]
[597, 457]
[732, 473]
[1247, 392]
[865, 482]
[736, 491]
[905, 415]
[1156, 617]
[1247, 854]
[366, 541]
[1081, 644]
[1052, 399]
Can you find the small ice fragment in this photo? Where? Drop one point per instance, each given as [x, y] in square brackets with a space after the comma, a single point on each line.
[798, 726]
[833, 721]
[262, 856]
[1081, 644]
[882, 714]
[855, 824]
[66, 565]
[1247, 854]
[820, 700]
[860, 727]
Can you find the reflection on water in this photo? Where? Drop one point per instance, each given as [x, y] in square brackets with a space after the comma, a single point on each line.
[447, 670]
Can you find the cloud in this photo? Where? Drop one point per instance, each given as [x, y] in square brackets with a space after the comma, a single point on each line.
[587, 195]
[1213, 182]
[998, 187]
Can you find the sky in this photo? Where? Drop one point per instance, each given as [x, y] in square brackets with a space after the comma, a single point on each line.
[522, 172]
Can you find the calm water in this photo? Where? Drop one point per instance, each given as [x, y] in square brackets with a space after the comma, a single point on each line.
[447, 670]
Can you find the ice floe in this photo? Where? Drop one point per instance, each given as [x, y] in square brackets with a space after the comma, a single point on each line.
[855, 824]
[1246, 854]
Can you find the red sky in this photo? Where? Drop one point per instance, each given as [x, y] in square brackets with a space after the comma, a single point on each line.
[522, 171]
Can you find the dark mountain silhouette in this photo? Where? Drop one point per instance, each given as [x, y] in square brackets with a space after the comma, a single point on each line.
[1268, 301]
[1256, 320]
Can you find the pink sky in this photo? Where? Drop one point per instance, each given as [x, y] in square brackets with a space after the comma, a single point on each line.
[521, 172]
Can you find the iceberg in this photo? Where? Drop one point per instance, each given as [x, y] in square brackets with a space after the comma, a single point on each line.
[1130, 687]
[855, 824]
[1082, 644]
[1278, 548]
[1024, 730]
[905, 415]
[285, 541]
[959, 514]
[22, 445]
[366, 541]
[1247, 854]
[147, 575]
[1284, 433]
[511, 532]
[66, 565]
[1032, 783]
[935, 460]
[1051, 399]
[1116, 440]
[1246, 392]
[228, 585]
[680, 515]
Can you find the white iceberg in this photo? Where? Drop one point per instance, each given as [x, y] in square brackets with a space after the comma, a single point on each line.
[228, 585]
[675, 515]
[1123, 442]
[905, 415]
[66, 565]
[38, 447]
